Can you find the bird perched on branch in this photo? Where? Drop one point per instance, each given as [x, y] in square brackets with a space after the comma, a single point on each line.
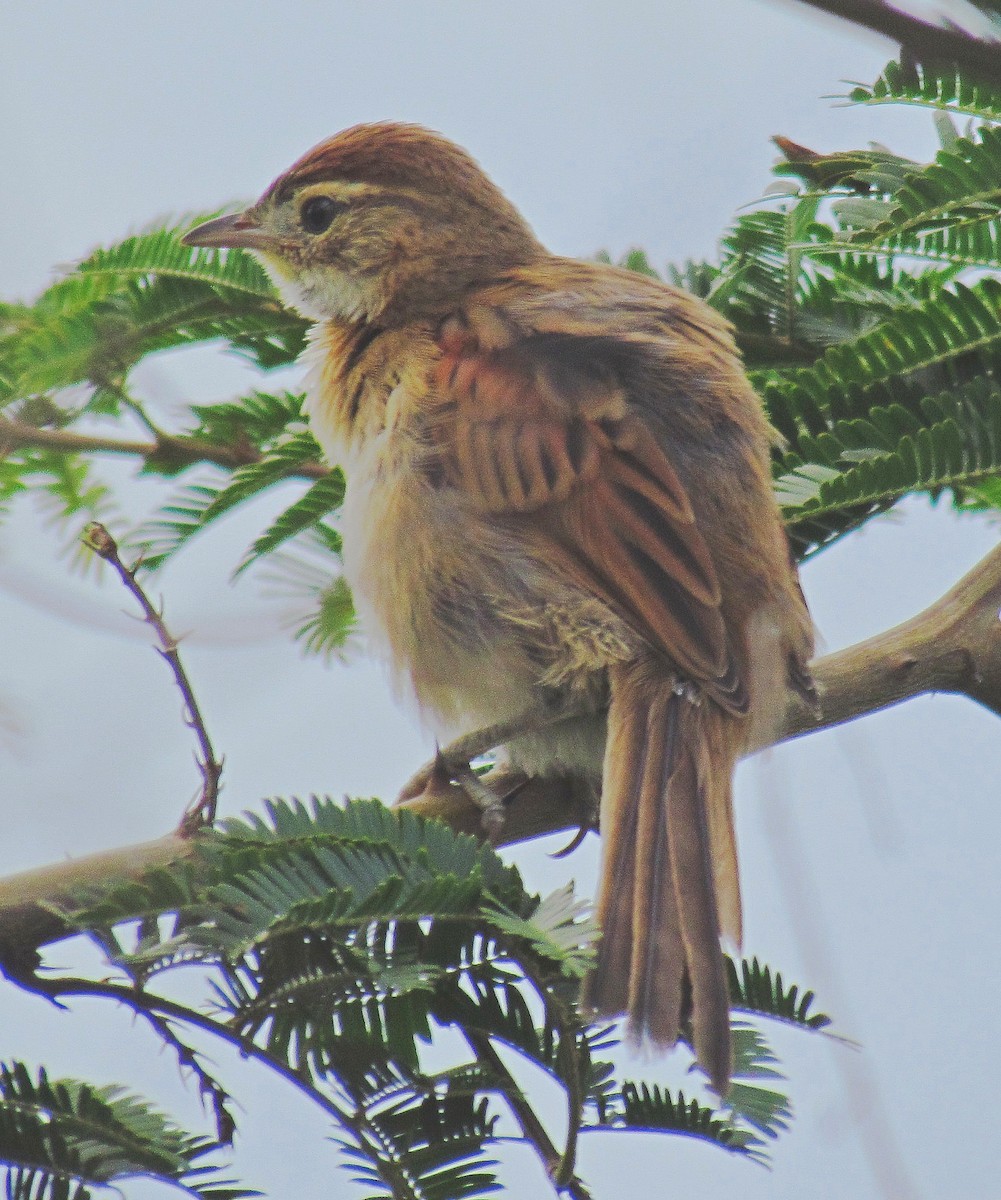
[558, 492]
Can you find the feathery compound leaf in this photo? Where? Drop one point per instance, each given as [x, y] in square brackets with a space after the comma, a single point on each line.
[561, 928]
[59, 1138]
[949, 208]
[197, 505]
[157, 251]
[248, 481]
[324, 497]
[260, 419]
[766, 1109]
[949, 338]
[762, 272]
[424, 1147]
[753, 988]
[161, 538]
[945, 328]
[328, 629]
[648, 1106]
[372, 823]
[862, 171]
[929, 85]
[955, 443]
[148, 293]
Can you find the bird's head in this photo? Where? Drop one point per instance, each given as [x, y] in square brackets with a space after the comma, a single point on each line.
[383, 222]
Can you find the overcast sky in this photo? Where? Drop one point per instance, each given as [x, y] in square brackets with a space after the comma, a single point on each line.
[869, 854]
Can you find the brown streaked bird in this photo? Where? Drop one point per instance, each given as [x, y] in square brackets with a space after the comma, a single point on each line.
[558, 490]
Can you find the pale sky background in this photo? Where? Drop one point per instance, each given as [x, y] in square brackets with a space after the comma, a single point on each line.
[869, 854]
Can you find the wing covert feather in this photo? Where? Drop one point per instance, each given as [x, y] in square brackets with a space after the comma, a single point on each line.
[521, 434]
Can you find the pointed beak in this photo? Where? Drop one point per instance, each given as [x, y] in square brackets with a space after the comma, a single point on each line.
[241, 230]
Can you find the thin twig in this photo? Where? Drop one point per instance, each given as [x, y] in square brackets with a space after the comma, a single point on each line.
[117, 388]
[531, 1127]
[156, 1009]
[188, 1060]
[566, 1170]
[176, 449]
[146, 1003]
[204, 810]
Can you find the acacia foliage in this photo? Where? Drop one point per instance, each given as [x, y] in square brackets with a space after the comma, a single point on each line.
[338, 945]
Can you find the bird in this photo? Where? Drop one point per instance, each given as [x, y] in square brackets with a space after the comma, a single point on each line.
[559, 497]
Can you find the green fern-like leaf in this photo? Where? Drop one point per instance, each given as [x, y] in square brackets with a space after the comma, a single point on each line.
[561, 927]
[426, 1146]
[156, 251]
[177, 523]
[876, 170]
[371, 823]
[865, 400]
[649, 1106]
[954, 441]
[754, 988]
[254, 478]
[928, 85]
[148, 293]
[199, 505]
[328, 629]
[323, 498]
[60, 1138]
[764, 1108]
[948, 209]
[762, 273]
[937, 334]
[261, 419]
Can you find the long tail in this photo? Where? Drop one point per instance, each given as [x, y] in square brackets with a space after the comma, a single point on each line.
[669, 882]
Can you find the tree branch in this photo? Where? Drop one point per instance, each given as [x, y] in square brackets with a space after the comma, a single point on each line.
[532, 1129]
[173, 450]
[925, 41]
[954, 646]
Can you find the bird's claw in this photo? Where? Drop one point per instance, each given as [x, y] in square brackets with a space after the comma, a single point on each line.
[588, 821]
[440, 774]
[485, 798]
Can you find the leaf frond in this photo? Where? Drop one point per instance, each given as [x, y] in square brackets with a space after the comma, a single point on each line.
[61, 1137]
[939, 86]
[755, 988]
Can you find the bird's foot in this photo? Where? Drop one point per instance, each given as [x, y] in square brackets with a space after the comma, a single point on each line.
[490, 804]
[443, 774]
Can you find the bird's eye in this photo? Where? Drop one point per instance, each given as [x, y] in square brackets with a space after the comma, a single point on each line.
[318, 212]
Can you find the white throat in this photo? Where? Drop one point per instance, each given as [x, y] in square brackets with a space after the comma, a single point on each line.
[322, 294]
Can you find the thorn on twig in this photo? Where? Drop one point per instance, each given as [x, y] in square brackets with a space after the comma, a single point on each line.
[203, 810]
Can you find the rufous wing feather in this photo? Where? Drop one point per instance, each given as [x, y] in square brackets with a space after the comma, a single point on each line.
[614, 513]
[554, 447]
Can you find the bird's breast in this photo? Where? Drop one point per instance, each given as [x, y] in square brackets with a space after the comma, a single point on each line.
[469, 611]
[433, 583]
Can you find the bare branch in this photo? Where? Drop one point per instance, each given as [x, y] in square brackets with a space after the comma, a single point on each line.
[174, 450]
[953, 646]
[203, 812]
